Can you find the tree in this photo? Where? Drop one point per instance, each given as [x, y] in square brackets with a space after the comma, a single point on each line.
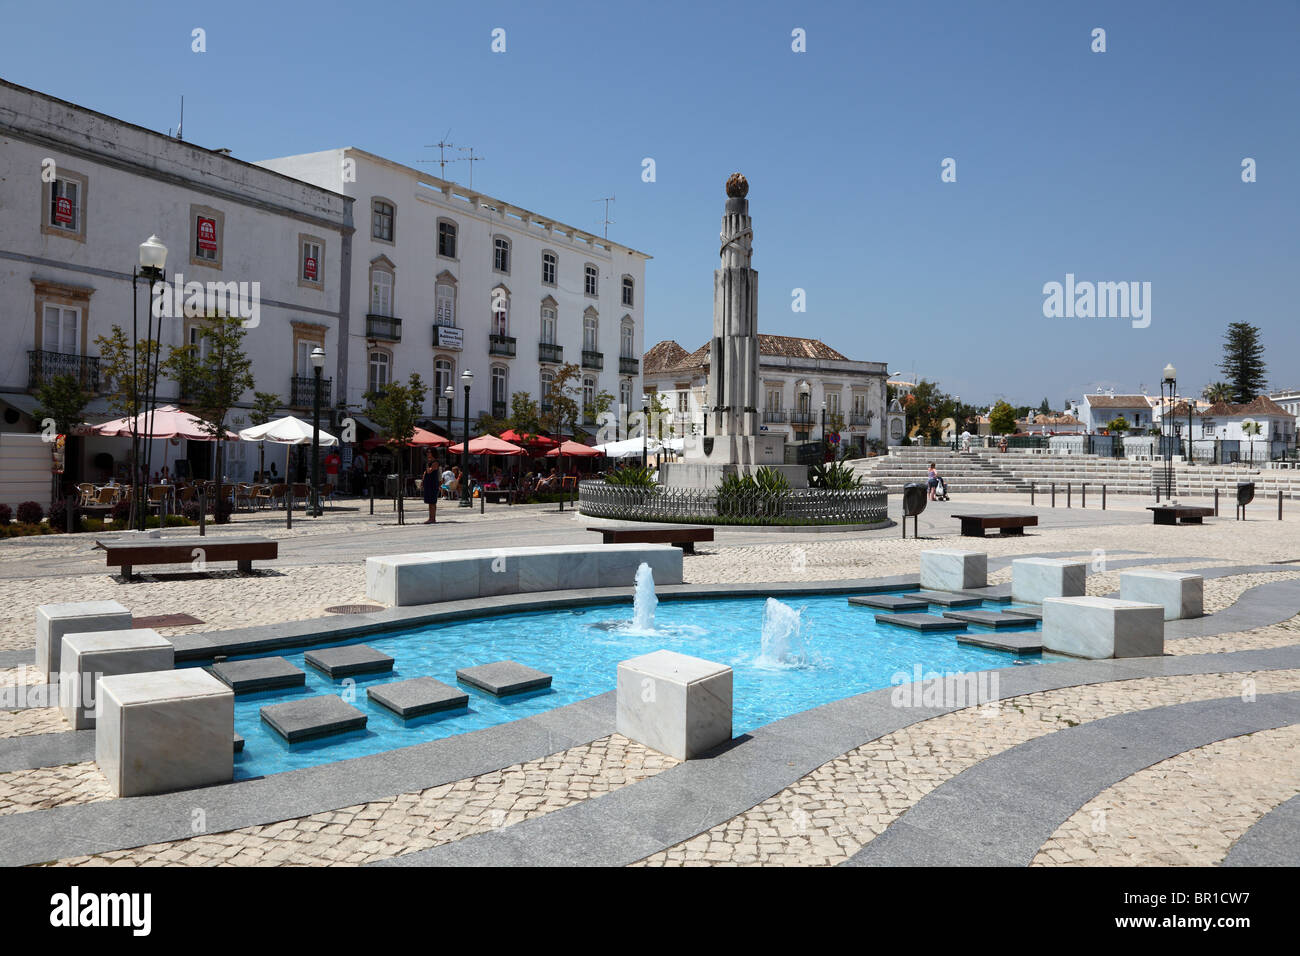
[395, 410]
[1252, 428]
[1118, 425]
[1044, 408]
[525, 415]
[129, 371]
[1243, 362]
[562, 399]
[62, 401]
[600, 404]
[928, 409]
[265, 405]
[1002, 419]
[1217, 392]
[213, 375]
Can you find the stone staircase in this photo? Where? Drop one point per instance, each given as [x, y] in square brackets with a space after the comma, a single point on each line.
[963, 473]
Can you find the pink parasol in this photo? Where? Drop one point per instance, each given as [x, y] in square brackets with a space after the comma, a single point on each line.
[575, 449]
[487, 445]
[421, 438]
[167, 421]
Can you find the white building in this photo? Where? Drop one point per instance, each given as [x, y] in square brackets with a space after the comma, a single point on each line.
[444, 278]
[798, 377]
[79, 192]
[1097, 411]
[1289, 399]
[1226, 421]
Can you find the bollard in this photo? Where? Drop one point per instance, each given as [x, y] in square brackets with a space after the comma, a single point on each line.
[1216, 502]
[1103, 496]
[371, 496]
[1031, 493]
[1053, 494]
[1069, 493]
[1279, 504]
[1083, 495]
[288, 506]
[203, 512]
[482, 501]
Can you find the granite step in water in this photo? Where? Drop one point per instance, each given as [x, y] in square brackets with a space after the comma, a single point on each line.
[313, 717]
[921, 622]
[890, 602]
[994, 593]
[504, 677]
[260, 673]
[239, 743]
[418, 696]
[1033, 613]
[1027, 642]
[994, 619]
[946, 598]
[349, 659]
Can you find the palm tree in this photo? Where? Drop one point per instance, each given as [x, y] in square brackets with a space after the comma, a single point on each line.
[1217, 392]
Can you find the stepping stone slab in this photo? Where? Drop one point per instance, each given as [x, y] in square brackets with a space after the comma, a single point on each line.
[239, 743]
[994, 593]
[503, 677]
[1033, 613]
[313, 717]
[260, 673]
[419, 695]
[350, 659]
[947, 598]
[890, 602]
[1029, 643]
[921, 622]
[993, 619]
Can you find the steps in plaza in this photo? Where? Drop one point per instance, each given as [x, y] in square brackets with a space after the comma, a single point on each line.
[921, 622]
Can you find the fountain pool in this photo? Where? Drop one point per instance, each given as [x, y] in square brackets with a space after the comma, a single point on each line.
[816, 649]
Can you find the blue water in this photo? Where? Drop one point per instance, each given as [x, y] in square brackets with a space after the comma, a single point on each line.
[844, 653]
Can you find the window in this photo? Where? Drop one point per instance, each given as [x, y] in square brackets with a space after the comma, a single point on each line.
[500, 311]
[66, 205]
[625, 394]
[548, 325]
[590, 273]
[379, 366]
[588, 393]
[548, 381]
[774, 399]
[590, 328]
[501, 254]
[627, 291]
[859, 403]
[627, 340]
[444, 309]
[446, 239]
[499, 385]
[833, 403]
[549, 262]
[684, 402]
[443, 375]
[60, 328]
[381, 291]
[197, 337]
[207, 235]
[310, 253]
[381, 220]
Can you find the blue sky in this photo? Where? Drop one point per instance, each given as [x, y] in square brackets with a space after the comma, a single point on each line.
[1115, 166]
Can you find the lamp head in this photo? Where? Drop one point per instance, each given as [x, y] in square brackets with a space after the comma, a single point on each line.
[1170, 373]
[467, 377]
[318, 358]
[153, 254]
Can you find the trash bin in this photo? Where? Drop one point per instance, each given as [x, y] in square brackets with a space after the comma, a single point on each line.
[914, 498]
[1245, 493]
[390, 486]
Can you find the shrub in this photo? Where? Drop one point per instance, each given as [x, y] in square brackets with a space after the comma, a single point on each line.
[30, 512]
[6, 514]
[631, 476]
[121, 511]
[770, 480]
[835, 477]
[190, 510]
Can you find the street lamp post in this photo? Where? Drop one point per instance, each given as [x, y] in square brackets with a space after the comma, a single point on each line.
[1168, 383]
[645, 431]
[449, 393]
[705, 409]
[467, 378]
[823, 421]
[317, 362]
[153, 257]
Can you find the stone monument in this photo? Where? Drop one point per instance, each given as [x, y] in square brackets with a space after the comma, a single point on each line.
[734, 444]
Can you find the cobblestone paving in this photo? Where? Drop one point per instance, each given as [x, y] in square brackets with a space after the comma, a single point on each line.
[411, 821]
[32, 720]
[828, 815]
[45, 787]
[1185, 811]
[1261, 638]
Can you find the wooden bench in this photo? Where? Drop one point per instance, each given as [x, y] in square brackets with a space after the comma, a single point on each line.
[683, 538]
[1173, 514]
[244, 551]
[974, 526]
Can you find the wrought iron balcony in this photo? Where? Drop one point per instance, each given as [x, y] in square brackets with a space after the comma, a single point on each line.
[588, 416]
[628, 366]
[856, 419]
[498, 409]
[547, 352]
[42, 367]
[773, 414]
[501, 345]
[384, 327]
[592, 359]
[801, 418]
[302, 391]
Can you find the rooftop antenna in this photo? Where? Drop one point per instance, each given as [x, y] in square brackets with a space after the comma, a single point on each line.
[181, 127]
[441, 146]
[471, 159]
[606, 221]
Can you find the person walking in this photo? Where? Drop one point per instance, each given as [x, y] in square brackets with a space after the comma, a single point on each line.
[932, 482]
[431, 487]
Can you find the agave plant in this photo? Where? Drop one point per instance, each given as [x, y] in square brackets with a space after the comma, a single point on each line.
[834, 477]
[632, 476]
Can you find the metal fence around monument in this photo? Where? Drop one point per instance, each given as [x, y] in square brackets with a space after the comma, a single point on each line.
[864, 505]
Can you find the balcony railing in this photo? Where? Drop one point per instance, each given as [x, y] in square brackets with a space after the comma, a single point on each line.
[588, 416]
[44, 366]
[498, 409]
[384, 327]
[628, 366]
[773, 414]
[501, 345]
[856, 419]
[546, 352]
[302, 391]
[801, 418]
[592, 359]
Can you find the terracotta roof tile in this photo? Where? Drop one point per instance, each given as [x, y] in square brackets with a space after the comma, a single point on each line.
[1117, 401]
[668, 356]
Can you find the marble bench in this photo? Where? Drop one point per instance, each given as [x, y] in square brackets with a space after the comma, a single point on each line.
[1034, 579]
[950, 569]
[89, 656]
[1098, 627]
[164, 730]
[673, 703]
[54, 621]
[1182, 595]
[401, 580]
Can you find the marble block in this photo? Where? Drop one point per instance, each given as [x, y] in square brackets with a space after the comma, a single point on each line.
[1033, 579]
[95, 654]
[678, 705]
[53, 621]
[1179, 593]
[1097, 627]
[164, 730]
[402, 580]
[950, 569]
